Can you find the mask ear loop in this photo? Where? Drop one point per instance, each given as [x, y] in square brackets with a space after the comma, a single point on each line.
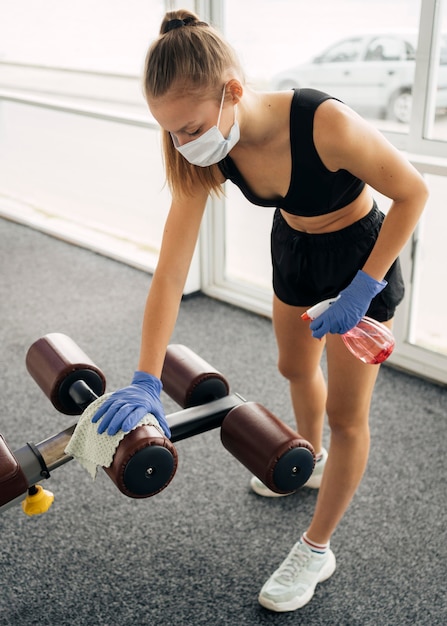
[221, 106]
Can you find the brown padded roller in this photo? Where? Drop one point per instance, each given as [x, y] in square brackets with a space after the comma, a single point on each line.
[13, 482]
[189, 380]
[272, 451]
[144, 463]
[56, 362]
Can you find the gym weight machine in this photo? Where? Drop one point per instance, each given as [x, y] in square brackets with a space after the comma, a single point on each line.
[145, 461]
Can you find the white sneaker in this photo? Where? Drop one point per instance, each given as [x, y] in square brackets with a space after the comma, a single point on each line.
[314, 481]
[293, 584]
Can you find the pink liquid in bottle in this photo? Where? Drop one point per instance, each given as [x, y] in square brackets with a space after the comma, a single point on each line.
[370, 341]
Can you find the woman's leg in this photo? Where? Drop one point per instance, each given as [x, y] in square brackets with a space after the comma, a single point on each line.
[299, 356]
[350, 388]
[347, 403]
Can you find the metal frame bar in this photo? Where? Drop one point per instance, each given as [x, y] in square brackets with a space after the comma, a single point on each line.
[85, 111]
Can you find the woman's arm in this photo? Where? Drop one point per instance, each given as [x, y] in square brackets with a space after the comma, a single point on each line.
[126, 407]
[346, 141]
[179, 240]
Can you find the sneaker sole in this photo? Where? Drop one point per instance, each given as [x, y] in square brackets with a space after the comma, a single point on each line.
[314, 482]
[298, 603]
[265, 492]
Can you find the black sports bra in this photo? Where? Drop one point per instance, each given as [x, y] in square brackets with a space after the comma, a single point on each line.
[314, 190]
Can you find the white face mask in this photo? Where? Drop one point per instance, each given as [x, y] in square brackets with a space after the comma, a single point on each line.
[211, 147]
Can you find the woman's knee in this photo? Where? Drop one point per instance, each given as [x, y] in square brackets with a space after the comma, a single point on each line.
[347, 421]
[300, 360]
[288, 369]
[295, 370]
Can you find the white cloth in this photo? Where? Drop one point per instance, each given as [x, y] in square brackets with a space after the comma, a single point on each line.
[92, 449]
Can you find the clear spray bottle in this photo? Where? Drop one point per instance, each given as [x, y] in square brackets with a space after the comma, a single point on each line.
[370, 341]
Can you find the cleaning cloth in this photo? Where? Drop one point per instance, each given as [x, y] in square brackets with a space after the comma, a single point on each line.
[90, 448]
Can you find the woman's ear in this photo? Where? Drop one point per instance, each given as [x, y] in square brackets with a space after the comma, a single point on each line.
[235, 90]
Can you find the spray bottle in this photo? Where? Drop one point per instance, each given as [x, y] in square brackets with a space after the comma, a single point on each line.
[370, 341]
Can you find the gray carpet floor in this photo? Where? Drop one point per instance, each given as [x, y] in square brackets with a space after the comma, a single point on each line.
[198, 553]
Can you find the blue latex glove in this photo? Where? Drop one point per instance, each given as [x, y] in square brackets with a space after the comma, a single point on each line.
[351, 306]
[126, 407]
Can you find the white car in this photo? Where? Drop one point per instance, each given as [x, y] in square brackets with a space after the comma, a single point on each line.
[368, 72]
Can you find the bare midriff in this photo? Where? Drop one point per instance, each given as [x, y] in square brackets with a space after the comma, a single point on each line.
[334, 221]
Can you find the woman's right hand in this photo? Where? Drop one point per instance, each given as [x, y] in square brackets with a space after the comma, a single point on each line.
[126, 407]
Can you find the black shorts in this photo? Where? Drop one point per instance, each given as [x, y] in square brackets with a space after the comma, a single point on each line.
[310, 268]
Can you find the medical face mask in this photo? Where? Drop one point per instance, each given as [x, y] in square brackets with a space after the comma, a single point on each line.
[211, 147]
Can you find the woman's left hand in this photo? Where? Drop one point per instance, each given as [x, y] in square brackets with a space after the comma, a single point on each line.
[349, 308]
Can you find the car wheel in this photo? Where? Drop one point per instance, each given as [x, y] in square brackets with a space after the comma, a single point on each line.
[399, 108]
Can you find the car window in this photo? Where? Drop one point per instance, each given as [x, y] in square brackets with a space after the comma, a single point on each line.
[387, 49]
[347, 50]
[410, 51]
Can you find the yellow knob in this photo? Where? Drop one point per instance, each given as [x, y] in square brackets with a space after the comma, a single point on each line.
[37, 501]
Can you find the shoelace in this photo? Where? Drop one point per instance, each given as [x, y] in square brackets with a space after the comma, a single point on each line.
[293, 563]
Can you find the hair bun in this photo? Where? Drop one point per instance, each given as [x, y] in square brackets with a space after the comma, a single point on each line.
[177, 19]
[173, 24]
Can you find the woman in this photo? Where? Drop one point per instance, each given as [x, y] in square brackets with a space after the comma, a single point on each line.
[314, 159]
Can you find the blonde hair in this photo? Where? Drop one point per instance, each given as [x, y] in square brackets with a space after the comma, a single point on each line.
[188, 57]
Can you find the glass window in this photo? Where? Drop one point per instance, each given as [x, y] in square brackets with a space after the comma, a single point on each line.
[84, 161]
[389, 49]
[104, 35]
[348, 50]
[315, 45]
[437, 122]
[428, 327]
